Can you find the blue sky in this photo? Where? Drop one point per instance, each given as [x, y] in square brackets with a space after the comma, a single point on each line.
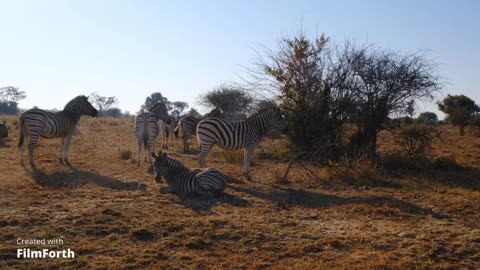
[55, 50]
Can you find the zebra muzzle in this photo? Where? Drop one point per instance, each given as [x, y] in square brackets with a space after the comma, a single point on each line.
[158, 178]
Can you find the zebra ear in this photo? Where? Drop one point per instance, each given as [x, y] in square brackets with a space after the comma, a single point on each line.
[154, 155]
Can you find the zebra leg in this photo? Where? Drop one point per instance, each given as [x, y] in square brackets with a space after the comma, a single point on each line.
[21, 148]
[31, 147]
[62, 148]
[68, 140]
[248, 156]
[185, 144]
[139, 153]
[204, 150]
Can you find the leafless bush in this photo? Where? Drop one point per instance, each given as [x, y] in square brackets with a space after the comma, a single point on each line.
[416, 141]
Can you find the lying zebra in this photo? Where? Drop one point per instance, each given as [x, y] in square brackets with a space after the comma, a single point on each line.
[182, 180]
[231, 135]
[37, 123]
[188, 124]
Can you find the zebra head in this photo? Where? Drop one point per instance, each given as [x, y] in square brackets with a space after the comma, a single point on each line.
[160, 166]
[160, 110]
[86, 107]
[277, 120]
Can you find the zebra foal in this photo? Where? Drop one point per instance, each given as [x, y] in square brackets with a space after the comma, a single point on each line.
[146, 129]
[37, 123]
[182, 180]
[231, 135]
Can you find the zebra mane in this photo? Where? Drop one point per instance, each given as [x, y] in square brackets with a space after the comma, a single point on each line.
[172, 161]
[263, 111]
[75, 102]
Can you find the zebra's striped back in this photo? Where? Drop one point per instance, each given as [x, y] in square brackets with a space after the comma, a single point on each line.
[180, 179]
[59, 124]
[146, 127]
[189, 124]
[239, 134]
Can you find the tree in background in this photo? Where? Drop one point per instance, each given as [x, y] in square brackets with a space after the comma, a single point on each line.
[9, 98]
[427, 118]
[155, 98]
[102, 103]
[178, 108]
[112, 112]
[234, 102]
[383, 82]
[306, 79]
[193, 112]
[459, 109]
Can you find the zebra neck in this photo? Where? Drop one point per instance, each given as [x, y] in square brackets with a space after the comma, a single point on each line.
[258, 122]
[175, 168]
[72, 114]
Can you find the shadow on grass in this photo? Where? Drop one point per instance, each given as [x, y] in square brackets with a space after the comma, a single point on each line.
[204, 204]
[75, 178]
[291, 197]
[463, 177]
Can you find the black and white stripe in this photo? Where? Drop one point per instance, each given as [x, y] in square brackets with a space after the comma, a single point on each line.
[168, 131]
[146, 129]
[37, 123]
[182, 180]
[188, 124]
[241, 134]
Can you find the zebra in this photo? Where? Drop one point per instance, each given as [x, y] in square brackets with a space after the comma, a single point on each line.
[240, 134]
[182, 180]
[168, 129]
[3, 130]
[37, 123]
[146, 129]
[188, 124]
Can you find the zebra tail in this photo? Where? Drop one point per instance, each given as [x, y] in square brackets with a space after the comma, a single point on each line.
[21, 140]
[145, 132]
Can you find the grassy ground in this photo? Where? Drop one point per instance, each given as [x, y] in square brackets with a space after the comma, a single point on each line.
[111, 214]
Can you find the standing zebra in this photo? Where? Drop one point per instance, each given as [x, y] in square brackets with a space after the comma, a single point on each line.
[146, 129]
[189, 126]
[168, 129]
[37, 123]
[241, 134]
[182, 180]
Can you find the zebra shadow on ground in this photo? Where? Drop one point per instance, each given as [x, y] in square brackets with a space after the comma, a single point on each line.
[287, 197]
[76, 178]
[202, 204]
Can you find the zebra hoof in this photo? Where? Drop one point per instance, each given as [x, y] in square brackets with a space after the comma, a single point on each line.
[68, 163]
[247, 177]
[163, 190]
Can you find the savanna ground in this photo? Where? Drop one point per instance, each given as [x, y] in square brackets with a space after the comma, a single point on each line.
[111, 214]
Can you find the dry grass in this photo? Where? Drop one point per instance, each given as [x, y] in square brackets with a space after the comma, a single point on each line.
[111, 214]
